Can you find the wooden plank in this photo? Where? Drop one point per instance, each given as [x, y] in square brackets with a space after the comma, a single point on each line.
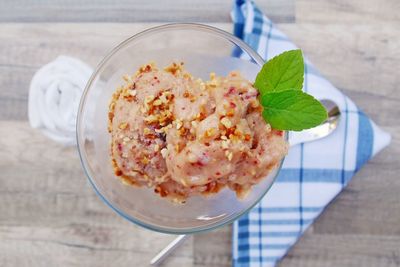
[51, 216]
[349, 11]
[134, 11]
[354, 57]
[344, 250]
[371, 197]
[213, 248]
[85, 245]
[379, 56]
[42, 43]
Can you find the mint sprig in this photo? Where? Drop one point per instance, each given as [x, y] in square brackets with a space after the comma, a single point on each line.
[281, 72]
[286, 106]
[292, 110]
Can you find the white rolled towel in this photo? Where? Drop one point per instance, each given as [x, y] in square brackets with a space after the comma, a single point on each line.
[54, 95]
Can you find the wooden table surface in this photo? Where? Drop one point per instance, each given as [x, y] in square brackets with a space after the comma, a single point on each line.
[50, 216]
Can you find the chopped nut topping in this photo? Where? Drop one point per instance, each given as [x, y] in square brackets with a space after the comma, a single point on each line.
[254, 103]
[178, 124]
[160, 179]
[157, 102]
[225, 144]
[143, 109]
[127, 94]
[194, 123]
[238, 133]
[163, 98]
[226, 122]
[151, 119]
[145, 160]
[229, 155]
[126, 181]
[123, 125]
[212, 84]
[162, 130]
[230, 113]
[127, 78]
[202, 115]
[146, 68]
[174, 68]
[209, 132]
[183, 182]
[268, 127]
[201, 84]
[179, 147]
[148, 99]
[164, 152]
[146, 131]
[112, 105]
[160, 113]
[187, 76]
[156, 148]
[192, 158]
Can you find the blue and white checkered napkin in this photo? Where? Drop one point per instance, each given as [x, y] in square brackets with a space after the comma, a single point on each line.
[313, 173]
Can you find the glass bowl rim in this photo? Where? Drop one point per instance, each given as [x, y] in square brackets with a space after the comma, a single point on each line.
[82, 155]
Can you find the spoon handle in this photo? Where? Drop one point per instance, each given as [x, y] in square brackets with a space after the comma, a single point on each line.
[168, 249]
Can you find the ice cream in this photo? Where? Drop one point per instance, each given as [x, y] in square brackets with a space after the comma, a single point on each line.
[184, 136]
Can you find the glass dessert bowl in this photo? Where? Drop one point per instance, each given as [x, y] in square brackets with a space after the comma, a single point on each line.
[191, 44]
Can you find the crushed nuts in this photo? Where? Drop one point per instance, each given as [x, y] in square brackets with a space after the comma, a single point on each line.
[164, 152]
[123, 125]
[229, 155]
[226, 122]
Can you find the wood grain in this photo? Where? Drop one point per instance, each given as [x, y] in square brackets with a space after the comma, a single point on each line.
[134, 11]
[365, 12]
[349, 250]
[42, 43]
[51, 217]
[213, 248]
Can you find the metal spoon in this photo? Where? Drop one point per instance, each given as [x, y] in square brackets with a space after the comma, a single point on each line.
[295, 138]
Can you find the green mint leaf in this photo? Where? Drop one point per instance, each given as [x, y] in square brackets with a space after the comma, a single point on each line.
[282, 72]
[292, 110]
